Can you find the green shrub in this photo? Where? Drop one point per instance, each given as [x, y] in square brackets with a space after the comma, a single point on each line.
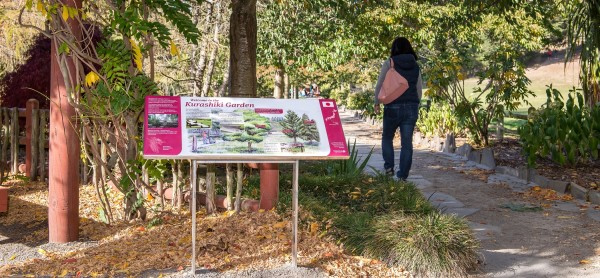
[340, 96]
[435, 244]
[363, 101]
[566, 132]
[438, 121]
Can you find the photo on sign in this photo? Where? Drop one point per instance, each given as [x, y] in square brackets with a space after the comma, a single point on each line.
[163, 120]
[246, 131]
[198, 123]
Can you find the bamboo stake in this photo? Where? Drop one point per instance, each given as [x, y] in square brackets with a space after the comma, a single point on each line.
[179, 187]
[229, 177]
[35, 129]
[238, 194]
[42, 144]
[210, 189]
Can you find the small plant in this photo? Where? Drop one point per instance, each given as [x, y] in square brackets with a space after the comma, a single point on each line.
[568, 132]
[354, 165]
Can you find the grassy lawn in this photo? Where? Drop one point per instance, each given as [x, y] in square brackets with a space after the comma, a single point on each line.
[542, 72]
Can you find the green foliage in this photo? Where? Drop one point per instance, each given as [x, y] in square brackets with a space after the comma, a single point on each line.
[340, 96]
[567, 132]
[584, 30]
[363, 101]
[254, 129]
[309, 129]
[355, 165]
[505, 89]
[292, 125]
[439, 120]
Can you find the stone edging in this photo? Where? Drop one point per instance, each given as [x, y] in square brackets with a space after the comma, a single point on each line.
[486, 158]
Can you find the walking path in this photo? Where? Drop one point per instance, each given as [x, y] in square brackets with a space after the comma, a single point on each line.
[560, 240]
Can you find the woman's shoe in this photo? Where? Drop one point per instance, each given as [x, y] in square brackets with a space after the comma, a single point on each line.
[389, 172]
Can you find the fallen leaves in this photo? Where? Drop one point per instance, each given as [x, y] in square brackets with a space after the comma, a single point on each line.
[545, 194]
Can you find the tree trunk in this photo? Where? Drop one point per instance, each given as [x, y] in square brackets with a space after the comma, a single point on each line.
[213, 52]
[242, 39]
[286, 86]
[223, 89]
[200, 64]
[279, 89]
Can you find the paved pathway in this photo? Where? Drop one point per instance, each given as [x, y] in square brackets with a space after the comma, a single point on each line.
[562, 240]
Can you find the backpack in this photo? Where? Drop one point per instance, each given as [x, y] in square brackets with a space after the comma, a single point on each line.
[394, 85]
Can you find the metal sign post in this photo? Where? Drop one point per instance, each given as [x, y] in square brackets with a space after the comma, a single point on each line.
[295, 176]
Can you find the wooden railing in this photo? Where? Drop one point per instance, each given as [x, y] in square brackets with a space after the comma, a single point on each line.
[34, 137]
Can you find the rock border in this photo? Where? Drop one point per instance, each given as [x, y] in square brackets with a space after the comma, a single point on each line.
[485, 157]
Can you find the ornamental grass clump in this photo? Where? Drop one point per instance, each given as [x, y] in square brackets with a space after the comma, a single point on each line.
[435, 244]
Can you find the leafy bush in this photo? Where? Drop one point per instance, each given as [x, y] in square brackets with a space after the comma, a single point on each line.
[439, 120]
[340, 96]
[567, 132]
[363, 101]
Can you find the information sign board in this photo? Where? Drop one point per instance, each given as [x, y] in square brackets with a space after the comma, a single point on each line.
[242, 128]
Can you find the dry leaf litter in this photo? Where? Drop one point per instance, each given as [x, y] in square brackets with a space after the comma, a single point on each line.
[225, 242]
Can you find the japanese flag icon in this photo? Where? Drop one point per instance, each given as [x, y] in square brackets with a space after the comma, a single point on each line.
[328, 104]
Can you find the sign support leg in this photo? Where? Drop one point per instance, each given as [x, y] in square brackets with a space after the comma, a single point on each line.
[194, 175]
[295, 215]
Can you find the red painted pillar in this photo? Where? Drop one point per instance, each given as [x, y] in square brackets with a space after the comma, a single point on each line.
[31, 104]
[269, 185]
[63, 174]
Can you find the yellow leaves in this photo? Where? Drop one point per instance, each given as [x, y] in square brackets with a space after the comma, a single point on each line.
[91, 78]
[40, 7]
[149, 197]
[63, 273]
[280, 225]
[174, 50]
[354, 195]
[460, 76]
[65, 13]
[584, 262]
[12, 257]
[43, 252]
[137, 54]
[314, 228]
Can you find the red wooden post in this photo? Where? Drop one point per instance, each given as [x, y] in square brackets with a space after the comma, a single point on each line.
[269, 185]
[63, 174]
[31, 104]
[3, 199]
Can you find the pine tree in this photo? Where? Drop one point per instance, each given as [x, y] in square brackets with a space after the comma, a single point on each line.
[309, 131]
[293, 126]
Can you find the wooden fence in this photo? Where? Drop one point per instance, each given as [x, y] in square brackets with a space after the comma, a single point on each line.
[34, 137]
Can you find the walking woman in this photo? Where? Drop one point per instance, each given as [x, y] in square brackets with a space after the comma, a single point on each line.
[403, 112]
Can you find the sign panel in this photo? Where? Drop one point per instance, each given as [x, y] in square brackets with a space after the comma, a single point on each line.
[242, 129]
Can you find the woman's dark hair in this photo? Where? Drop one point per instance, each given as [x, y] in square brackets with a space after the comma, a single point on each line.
[401, 45]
